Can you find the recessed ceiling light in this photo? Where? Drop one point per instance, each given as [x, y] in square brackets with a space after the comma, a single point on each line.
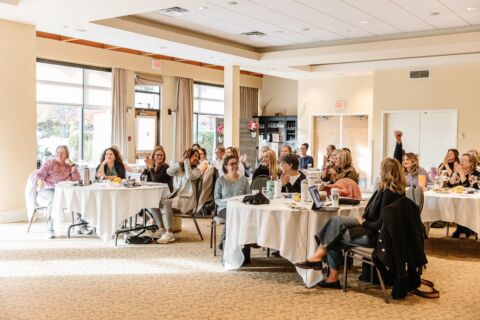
[278, 32]
[81, 30]
[434, 13]
[364, 22]
[306, 29]
[162, 47]
[233, 3]
[202, 8]
[65, 27]
[471, 9]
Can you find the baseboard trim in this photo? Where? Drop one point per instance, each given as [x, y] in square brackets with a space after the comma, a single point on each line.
[13, 216]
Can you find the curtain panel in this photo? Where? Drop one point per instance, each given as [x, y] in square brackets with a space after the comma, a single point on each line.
[148, 79]
[119, 110]
[248, 102]
[184, 116]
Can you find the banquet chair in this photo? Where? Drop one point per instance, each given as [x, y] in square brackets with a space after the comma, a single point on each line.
[31, 199]
[259, 182]
[216, 220]
[206, 198]
[364, 254]
[191, 215]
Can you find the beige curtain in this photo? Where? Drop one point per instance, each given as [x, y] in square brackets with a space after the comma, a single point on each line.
[248, 102]
[184, 116]
[148, 79]
[119, 111]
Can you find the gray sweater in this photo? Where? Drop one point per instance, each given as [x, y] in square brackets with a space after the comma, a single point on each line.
[225, 189]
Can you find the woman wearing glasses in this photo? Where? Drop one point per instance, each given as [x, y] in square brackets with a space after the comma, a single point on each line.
[231, 184]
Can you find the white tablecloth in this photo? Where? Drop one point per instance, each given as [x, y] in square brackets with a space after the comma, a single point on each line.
[463, 209]
[103, 206]
[277, 226]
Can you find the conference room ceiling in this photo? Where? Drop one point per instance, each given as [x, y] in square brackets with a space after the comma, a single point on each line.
[284, 23]
[296, 38]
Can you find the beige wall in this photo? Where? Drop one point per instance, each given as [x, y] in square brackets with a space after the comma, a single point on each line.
[280, 95]
[17, 115]
[169, 70]
[454, 87]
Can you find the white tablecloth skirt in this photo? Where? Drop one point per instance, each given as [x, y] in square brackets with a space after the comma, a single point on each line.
[104, 207]
[276, 226]
[463, 209]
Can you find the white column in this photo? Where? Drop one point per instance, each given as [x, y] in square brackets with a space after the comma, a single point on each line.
[232, 106]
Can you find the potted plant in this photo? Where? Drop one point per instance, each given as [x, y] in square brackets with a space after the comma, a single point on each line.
[253, 127]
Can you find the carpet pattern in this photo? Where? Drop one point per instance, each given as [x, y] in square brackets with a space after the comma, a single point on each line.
[82, 278]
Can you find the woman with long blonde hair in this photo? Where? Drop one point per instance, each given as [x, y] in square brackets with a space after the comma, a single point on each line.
[342, 167]
[361, 231]
[269, 166]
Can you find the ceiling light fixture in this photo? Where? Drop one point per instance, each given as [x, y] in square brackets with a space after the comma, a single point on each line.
[253, 34]
[174, 12]
[162, 47]
[65, 27]
[434, 13]
[364, 22]
[232, 3]
[306, 29]
[81, 30]
[278, 32]
[202, 8]
[471, 9]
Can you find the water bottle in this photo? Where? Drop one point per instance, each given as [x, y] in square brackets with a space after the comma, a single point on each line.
[86, 176]
[278, 189]
[304, 190]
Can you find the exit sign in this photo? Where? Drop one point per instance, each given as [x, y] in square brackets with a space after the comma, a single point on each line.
[340, 105]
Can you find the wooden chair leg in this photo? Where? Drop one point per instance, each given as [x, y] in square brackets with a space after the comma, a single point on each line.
[198, 228]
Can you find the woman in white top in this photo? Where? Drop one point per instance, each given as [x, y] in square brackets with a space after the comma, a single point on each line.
[203, 163]
[291, 178]
[183, 198]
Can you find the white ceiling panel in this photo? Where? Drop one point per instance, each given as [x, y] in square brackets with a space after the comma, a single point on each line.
[392, 14]
[424, 10]
[469, 10]
[271, 20]
[312, 18]
[351, 15]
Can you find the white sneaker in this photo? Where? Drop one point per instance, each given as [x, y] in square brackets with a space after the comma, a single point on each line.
[159, 233]
[166, 238]
[51, 235]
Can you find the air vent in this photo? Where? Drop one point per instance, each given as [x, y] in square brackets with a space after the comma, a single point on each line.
[253, 34]
[174, 12]
[419, 74]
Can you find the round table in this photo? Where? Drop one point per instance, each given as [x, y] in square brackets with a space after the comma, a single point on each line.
[463, 209]
[277, 226]
[103, 205]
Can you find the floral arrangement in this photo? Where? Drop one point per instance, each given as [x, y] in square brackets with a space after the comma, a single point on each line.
[253, 126]
[220, 130]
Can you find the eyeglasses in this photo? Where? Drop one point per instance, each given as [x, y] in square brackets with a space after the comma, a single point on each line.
[158, 155]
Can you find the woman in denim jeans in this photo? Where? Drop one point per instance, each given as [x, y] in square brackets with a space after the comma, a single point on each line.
[341, 231]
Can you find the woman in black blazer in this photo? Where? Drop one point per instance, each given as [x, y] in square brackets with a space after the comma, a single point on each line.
[291, 178]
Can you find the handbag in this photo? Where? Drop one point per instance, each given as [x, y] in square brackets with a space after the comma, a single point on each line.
[350, 201]
[256, 199]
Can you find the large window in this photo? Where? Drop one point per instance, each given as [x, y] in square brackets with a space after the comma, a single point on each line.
[74, 107]
[207, 107]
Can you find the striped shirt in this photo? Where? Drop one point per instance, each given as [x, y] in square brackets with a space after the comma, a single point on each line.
[53, 172]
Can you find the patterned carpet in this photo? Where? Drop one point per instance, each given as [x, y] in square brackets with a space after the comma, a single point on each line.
[82, 278]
